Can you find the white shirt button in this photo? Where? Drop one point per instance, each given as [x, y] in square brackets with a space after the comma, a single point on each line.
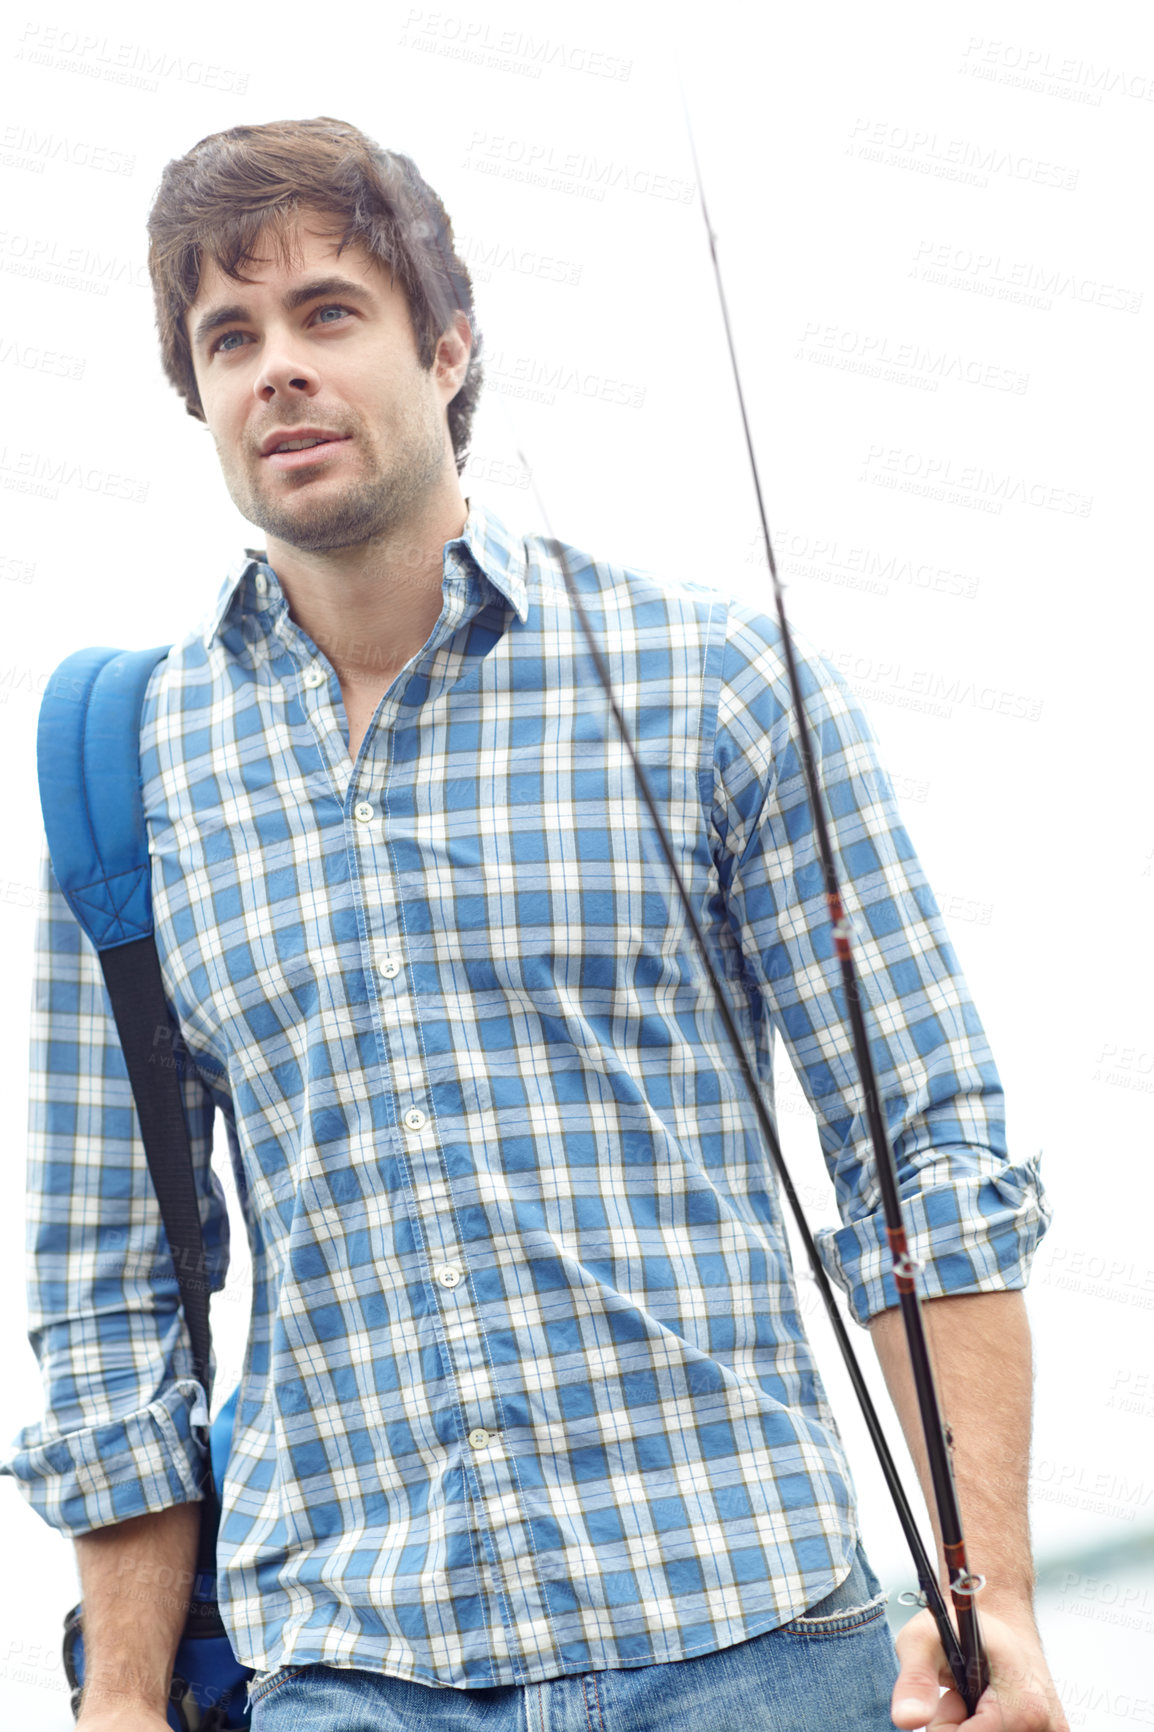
[449, 1276]
[389, 965]
[479, 1438]
[260, 583]
[415, 1119]
[363, 812]
[314, 675]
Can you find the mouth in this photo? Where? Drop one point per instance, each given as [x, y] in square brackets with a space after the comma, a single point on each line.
[319, 453]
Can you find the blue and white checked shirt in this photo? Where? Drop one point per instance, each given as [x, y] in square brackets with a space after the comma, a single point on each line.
[526, 1390]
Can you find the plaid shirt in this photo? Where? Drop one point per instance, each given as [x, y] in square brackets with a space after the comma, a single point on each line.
[526, 1391]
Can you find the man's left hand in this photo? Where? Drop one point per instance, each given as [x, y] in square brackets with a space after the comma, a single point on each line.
[1021, 1696]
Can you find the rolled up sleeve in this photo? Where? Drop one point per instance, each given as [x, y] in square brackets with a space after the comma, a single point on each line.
[121, 1434]
[974, 1217]
[972, 1220]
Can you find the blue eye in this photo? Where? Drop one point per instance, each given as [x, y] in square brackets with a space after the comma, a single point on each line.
[329, 307]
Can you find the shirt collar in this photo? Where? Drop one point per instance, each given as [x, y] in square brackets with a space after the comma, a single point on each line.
[485, 543]
[498, 553]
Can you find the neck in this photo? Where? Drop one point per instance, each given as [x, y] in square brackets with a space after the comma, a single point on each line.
[370, 608]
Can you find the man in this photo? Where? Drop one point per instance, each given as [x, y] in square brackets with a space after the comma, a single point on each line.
[528, 1429]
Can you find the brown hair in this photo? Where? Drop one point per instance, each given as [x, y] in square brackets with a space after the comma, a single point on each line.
[236, 189]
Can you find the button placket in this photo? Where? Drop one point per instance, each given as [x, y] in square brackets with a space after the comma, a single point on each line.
[393, 961]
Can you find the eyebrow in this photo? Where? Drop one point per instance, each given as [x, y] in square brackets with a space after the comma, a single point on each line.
[294, 298]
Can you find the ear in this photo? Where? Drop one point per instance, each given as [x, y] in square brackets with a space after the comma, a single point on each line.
[451, 356]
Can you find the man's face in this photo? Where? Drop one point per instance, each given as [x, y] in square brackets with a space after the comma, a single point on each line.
[343, 361]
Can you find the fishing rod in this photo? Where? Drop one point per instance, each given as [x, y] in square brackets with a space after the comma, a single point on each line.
[963, 1647]
[972, 1676]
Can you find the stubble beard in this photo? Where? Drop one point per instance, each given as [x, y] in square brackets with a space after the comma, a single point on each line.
[369, 508]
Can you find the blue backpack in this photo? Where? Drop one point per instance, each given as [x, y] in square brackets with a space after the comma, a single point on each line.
[88, 763]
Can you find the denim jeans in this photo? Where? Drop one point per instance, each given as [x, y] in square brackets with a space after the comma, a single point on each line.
[833, 1668]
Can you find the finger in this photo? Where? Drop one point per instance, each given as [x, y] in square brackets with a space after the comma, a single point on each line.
[917, 1691]
[950, 1712]
[1021, 1710]
[916, 1698]
[990, 1715]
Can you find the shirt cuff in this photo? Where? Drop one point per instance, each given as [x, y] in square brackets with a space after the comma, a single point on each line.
[974, 1232]
[138, 1465]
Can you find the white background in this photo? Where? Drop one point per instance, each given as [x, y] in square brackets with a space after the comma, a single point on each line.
[931, 226]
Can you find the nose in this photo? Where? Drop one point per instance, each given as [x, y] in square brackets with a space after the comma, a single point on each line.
[284, 371]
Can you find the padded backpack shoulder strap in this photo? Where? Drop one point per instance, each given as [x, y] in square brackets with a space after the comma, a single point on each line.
[88, 763]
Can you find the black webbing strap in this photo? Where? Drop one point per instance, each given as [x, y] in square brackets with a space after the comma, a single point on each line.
[132, 976]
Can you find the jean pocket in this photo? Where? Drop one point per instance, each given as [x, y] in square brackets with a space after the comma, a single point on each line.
[855, 1604]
